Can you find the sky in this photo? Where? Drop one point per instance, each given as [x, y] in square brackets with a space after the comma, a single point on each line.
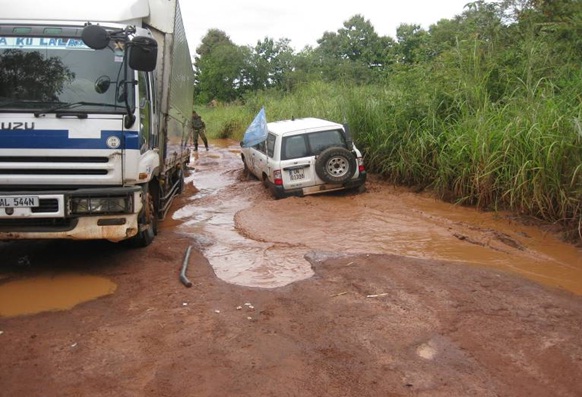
[305, 21]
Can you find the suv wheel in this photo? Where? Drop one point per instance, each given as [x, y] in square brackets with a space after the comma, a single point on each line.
[335, 165]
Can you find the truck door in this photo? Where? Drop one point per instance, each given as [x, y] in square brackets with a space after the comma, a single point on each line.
[146, 138]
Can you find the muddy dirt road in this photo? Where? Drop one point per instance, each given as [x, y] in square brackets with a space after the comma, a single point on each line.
[385, 293]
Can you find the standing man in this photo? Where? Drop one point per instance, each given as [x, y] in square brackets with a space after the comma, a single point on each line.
[198, 130]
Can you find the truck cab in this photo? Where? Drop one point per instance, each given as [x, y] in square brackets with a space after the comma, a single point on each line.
[85, 124]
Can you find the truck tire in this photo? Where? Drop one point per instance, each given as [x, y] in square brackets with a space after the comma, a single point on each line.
[149, 218]
[181, 179]
[335, 165]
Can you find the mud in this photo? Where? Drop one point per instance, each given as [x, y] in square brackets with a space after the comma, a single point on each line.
[271, 239]
[385, 293]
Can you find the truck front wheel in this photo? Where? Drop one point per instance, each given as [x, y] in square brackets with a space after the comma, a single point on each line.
[148, 223]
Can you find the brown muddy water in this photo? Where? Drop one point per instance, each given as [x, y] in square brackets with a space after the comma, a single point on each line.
[253, 240]
[49, 293]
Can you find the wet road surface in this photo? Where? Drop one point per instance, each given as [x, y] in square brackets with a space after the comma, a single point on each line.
[252, 240]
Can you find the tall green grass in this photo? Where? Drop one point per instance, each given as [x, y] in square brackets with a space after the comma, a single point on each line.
[224, 121]
[523, 154]
[312, 100]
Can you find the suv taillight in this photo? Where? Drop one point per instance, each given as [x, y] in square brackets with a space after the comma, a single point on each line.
[361, 167]
[277, 178]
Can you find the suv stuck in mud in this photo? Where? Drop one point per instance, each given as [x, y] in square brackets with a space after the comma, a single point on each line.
[305, 156]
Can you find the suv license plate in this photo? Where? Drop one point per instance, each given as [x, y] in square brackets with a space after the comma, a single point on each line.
[295, 175]
[19, 201]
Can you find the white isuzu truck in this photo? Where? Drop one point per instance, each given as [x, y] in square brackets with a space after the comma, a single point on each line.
[95, 106]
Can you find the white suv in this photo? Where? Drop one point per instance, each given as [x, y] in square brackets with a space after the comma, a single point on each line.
[305, 156]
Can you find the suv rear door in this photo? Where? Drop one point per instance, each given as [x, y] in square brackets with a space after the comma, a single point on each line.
[298, 156]
[296, 162]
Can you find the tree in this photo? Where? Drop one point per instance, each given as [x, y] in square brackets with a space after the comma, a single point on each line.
[219, 68]
[357, 41]
[556, 22]
[271, 61]
[213, 39]
[305, 68]
[413, 44]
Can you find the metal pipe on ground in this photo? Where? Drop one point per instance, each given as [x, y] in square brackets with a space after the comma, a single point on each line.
[183, 277]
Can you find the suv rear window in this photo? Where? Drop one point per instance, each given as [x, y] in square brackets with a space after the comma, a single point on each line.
[311, 144]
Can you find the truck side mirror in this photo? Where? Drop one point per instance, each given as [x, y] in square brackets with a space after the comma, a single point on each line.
[143, 54]
[95, 37]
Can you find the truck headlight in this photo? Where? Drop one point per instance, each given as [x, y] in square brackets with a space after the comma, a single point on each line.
[101, 205]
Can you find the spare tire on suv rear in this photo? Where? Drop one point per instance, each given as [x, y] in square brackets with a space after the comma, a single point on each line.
[335, 165]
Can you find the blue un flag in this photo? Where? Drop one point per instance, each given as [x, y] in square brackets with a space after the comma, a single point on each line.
[257, 131]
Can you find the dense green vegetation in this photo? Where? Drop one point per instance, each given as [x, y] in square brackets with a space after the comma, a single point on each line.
[485, 108]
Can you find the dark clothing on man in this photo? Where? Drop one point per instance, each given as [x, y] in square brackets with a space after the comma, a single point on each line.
[198, 130]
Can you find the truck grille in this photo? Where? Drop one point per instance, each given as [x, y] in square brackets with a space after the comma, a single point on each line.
[55, 166]
[46, 205]
[78, 171]
[47, 159]
[40, 224]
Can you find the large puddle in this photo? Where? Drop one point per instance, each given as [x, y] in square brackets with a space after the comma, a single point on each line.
[51, 293]
[209, 219]
[39, 276]
[253, 240]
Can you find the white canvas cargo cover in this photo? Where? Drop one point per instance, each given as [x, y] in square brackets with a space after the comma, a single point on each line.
[174, 71]
[160, 18]
[127, 12]
[157, 13]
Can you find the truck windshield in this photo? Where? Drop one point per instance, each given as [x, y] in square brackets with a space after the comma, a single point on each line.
[39, 73]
